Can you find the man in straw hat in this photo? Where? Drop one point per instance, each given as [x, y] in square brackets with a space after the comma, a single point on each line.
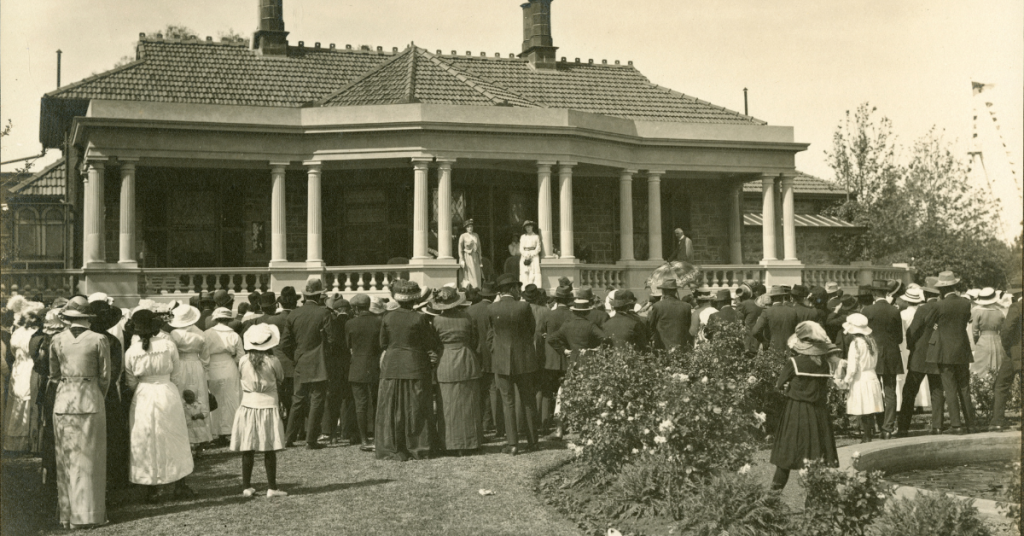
[514, 360]
[835, 293]
[778, 322]
[1010, 335]
[308, 328]
[919, 370]
[491, 400]
[669, 319]
[950, 349]
[887, 329]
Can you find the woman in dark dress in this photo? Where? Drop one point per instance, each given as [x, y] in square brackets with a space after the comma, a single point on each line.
[805, 431]
[458, 372]
[105, 316]
[405, 425]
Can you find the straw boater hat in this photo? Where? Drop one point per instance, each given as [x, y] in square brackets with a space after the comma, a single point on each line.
[778, 290]
[262, 337]
[946, 279]
[832, 288]
[77, 307]
[405, 291]
[447, 298]
[913, 295]
[184, 316]
[857, 323]
[581, 304]
[222, 312]
[987, 296]
[810, 339]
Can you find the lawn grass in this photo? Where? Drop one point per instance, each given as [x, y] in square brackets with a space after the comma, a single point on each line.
[337, 490]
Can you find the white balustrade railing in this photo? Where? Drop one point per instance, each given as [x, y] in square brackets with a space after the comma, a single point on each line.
[819, 275]
[366, 279]
[602, 276]
[47, 284]
[157, 281]
[729, 276]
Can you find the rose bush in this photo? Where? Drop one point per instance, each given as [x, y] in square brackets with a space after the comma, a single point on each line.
[840, 502]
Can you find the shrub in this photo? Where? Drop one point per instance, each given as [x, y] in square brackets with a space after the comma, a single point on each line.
[841, 502]
[734, 504]
[932, 514]
[1013, 498]
[983, 394]
[651, 484]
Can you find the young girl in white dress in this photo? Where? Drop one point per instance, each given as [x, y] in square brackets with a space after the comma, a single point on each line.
[865, 398]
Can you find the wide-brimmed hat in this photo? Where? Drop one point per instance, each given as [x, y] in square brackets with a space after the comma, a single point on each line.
[586, 292]
[222, 313]
[447, 298]
[743, 291]
[405, 291]
[779, 290]
[946, 279]
[222, 298]
[100, 297]
[913, 295]
[184, 316]
[810, 339]
[360, 301]
[77, 307]
[988, 295]
[529, 222]
[268, 301]
[104, 312]
[800, 291]
[669, 284]
[261, 337]
[832, 287]
[377, 306]
[53, 323]
[622, 298]
[848, 304]
[507, 280]
[857, 323]
[531, 292]
[487, 290]
[314, 286]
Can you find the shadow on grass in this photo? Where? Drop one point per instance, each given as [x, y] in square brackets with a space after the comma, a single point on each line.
[334, 487]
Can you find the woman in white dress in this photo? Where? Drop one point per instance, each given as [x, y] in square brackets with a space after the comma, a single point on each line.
[160, 451]
[865, 399]
[21, 420]
[530, 250]
[469, 257]
[193, 361]
[225, 349]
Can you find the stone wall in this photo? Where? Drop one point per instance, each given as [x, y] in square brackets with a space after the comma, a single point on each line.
[710, 204]
[812, 243]
[596, 218]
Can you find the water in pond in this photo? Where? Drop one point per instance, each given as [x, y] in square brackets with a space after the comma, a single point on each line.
[979, 480]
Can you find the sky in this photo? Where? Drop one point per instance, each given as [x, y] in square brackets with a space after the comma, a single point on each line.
[805, 62]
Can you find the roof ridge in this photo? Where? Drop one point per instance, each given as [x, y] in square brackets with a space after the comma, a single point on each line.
[671, 91]
[475, 83]
[324, 100]
[93, 78]
[410, 92]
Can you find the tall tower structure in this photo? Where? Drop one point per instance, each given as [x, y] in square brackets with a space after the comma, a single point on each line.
[991, 162]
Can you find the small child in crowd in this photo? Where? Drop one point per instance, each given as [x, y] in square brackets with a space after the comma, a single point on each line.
[196, 420]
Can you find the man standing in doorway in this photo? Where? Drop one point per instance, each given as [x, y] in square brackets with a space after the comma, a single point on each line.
[684, 248]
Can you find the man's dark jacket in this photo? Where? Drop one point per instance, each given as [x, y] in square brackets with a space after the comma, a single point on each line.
[478, 313]
[576, 335]
[919, 333]
[362, 336]
[669, 321]
[553, 359]
[887, 329]
[949, 344]
[1011, 334]
[309, 328]
[776, 324]
[510, 336]
[627, 329]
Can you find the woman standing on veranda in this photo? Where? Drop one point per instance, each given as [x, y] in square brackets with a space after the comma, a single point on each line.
[530, 250]
[160, 451]
[458, 373]
[22, 418]
[469, 256]
[80, 372]
[225, 349]
[193, 360]
[987, 321]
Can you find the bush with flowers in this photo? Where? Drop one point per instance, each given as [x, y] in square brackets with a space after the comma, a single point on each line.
[983, 394]
[930, 514]
[841, 502]
[1013, 498]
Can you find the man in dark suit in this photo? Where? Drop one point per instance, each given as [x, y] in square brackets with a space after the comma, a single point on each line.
[777, 322]
[554, 363]
[514, 359]
[537, 299]
[669, 320]
[362, 337]
[1010, 369]
[491, 401]
[684, 248]
[835, 293]
[950, 349]
[577, 335]
[804, 310]
[749, 312]
[726, 314]
[309, 329]
[887, 329]
[918, 368]
[626, 329]
[339, 407]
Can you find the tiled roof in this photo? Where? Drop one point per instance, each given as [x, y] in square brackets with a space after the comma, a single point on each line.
[754, 219]
[192, 71]
[802, 184]
[50, 181]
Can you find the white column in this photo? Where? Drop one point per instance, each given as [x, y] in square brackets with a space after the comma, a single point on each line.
[626, 214]
[788, 224]
[126, 252]
[736, 224]
[94, 250]
[768, 217]
[314, 223]
[278, 225]
[565, 209]
[544, 205]
[420, 221]
[444, 209]
[654, 215]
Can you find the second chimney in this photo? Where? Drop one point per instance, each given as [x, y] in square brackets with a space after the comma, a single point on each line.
[271, 39]
[538, 47]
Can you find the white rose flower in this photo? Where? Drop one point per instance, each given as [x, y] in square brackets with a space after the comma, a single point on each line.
[704, 380]
[636, 451]
[666, 426]
[660, 440]
[611, 404]
[745, 469]
[662, 404]
[751, 380]
[590, 442]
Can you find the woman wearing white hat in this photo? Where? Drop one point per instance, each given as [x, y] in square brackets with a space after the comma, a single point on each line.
[225, 349]
[987, 322]
[865, 398]
[193, 360]
[21, 430]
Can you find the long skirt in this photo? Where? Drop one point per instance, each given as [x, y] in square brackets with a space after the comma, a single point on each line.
[257, 429]
[989, 353]
[226, 385]
[405, 420]
[463, 426]
[22, 422]
[118, 441]
[160, 451]
[530, 273]
[81, 442]
[804, 433]
[865, 396]
[191, 376]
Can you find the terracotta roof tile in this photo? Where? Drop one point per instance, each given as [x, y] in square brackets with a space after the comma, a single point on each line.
[50, 181]
[803, 184]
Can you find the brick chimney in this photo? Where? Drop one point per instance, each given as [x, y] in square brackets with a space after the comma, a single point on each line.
[537, 44]
[271, 39]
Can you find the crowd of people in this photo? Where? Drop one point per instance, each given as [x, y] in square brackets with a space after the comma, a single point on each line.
[113, 397]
